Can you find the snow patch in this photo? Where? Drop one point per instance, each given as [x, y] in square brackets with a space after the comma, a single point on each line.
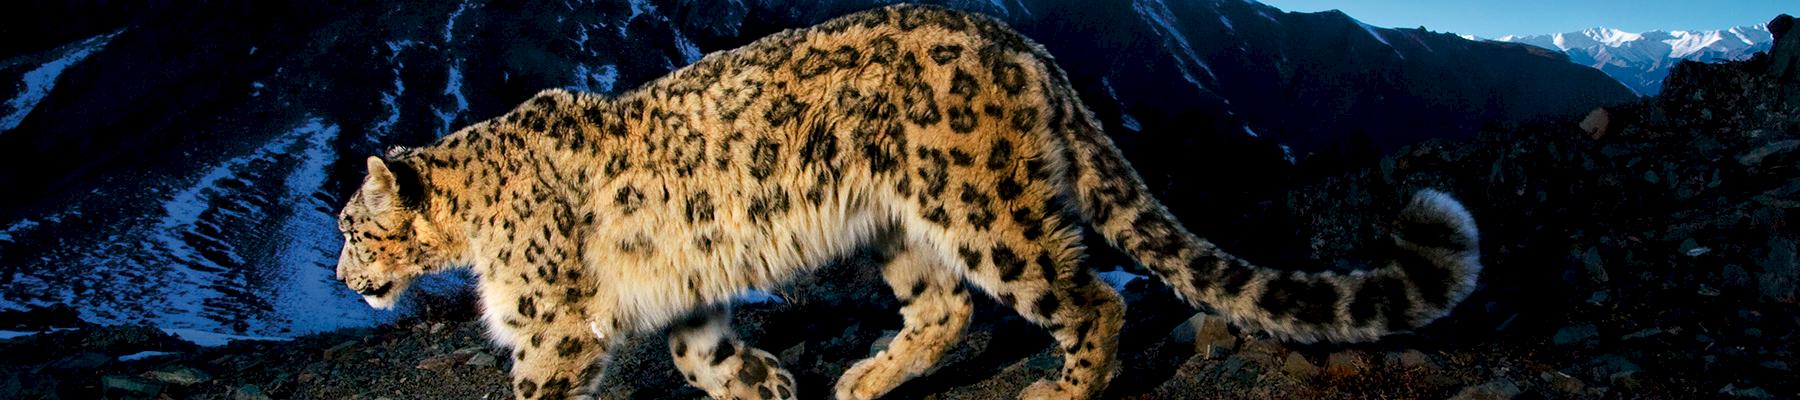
[599, 80]
[214, 339]
[144, 354]
[1687, 43]
[6, 235]
[391, 100]
[758, 296]
[310, 241]
[638, 8]
[1000, 5]
[1130, 123]
[37, 83]
[1648, 46]
[689, 52]
[1125, 117]
[1022, 7]
[581, 38]
[1373, 32]
[1261, 13]
[4, 335]
[450, 24]
[453, 88]
[1119, 278]
[306, 239]
[1163, 23]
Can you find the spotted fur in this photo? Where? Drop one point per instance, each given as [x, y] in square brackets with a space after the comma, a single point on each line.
[947, 141]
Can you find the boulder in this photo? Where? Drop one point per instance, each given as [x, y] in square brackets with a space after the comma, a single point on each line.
[1597, 123]
[249, 392]
[1298, 367]
[179, 375]
[129, 386]
[443, 361]
[1346, 364]
[1501, 389]
[482, 360]
[1210, 336]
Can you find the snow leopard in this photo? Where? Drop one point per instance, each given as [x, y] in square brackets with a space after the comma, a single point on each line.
[944, 142]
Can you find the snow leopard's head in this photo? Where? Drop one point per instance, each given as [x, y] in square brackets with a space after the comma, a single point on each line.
[388, 241]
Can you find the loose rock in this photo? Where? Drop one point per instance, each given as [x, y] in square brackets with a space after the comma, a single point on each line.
[482, 360]
[130, 386]
[1563, 382]
[339, 349]
[179, 375]
[1297, 367]
[792, 355]
[1412, 359]
[1210, 336]
[1346, 364]
[881, 344]
[1495, 390]
[1596, 123]
[1596, 269]
[249, 392]
[1575, 335]
[443, 361]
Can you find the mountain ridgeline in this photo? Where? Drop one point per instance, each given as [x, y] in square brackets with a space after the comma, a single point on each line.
[178, 162]
[1642, 60]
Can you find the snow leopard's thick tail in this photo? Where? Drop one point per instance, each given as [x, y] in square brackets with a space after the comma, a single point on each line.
[1434, 267]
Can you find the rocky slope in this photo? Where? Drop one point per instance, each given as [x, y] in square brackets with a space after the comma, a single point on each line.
[1643, 251]
[1641, 60]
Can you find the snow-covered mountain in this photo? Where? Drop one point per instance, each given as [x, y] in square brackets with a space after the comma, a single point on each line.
[178, 163]
[1642, 60]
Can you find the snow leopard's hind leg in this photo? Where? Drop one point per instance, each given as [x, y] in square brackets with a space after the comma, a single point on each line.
[711, 357]
[935, 305]
[1044, 282]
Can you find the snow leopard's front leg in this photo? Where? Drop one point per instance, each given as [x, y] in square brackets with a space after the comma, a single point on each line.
[712, 358]
[561, 360]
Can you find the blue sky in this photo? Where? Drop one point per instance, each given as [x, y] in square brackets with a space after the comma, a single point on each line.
[1493, 18]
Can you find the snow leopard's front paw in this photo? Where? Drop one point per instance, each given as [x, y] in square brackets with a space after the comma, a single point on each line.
[1049, 390]
[868, 379]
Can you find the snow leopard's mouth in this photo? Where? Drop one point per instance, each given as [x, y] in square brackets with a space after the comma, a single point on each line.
[377, 291]
[381, 297]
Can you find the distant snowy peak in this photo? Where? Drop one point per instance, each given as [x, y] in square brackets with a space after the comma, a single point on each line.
[1641, 60]
[1670, 44]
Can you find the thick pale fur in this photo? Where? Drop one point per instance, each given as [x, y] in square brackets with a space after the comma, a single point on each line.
[944, 140]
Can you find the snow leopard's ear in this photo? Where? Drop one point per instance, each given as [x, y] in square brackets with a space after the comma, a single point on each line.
[391, 184]
[378, 190]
